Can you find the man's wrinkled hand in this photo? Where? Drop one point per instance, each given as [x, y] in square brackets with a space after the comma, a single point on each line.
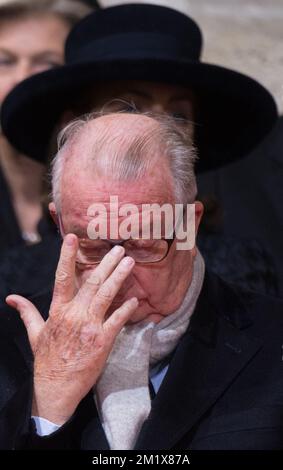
[71, 348]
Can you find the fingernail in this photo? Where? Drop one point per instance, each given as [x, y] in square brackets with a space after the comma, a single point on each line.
[70, 240]
[128, 261]
[117, 249]
[135, 301]
[11, 302]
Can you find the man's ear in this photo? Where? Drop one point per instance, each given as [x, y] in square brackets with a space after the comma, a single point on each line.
[199, 210]
[53, 213]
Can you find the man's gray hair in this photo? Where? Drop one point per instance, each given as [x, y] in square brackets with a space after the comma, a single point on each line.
[131, 159]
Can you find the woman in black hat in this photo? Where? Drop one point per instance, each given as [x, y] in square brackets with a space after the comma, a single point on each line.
[149, 55]
[145, 43]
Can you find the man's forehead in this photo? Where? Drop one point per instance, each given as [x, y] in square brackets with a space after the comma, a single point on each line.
[83, 192]
[83, 185]
[138, 218]
[78, 201]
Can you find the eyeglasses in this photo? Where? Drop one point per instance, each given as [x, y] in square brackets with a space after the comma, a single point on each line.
[142, 251]
[91, 252]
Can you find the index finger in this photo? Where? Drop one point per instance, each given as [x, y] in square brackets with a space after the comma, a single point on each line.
[64, 287]
[99, 275]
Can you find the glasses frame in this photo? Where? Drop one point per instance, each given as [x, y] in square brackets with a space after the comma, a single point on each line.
[169, 242]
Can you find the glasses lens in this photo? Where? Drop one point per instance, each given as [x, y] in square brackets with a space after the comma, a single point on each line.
[146, 251]
[92, 251]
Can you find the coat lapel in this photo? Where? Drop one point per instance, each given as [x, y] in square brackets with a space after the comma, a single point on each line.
[93, 437]
[214, 350]
[89, 426]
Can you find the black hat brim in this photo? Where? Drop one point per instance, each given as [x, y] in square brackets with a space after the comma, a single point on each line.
[235, 111]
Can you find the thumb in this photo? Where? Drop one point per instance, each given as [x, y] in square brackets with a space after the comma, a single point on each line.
[29, 314]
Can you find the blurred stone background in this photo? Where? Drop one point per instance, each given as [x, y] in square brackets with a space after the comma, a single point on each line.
[246, 35]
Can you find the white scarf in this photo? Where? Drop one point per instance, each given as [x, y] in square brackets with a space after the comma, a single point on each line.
[122, 393]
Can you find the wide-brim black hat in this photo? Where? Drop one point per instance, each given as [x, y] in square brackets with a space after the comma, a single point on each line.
[143, 42]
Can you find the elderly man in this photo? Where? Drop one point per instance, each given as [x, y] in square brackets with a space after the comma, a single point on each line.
[141, 349]
[149, 55]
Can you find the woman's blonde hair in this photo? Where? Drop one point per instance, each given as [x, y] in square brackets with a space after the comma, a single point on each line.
[69, 10]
